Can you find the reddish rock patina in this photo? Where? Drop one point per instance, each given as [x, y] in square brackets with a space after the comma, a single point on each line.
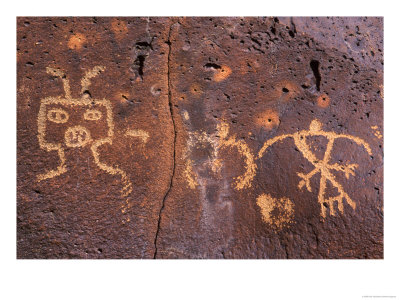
[200, 137]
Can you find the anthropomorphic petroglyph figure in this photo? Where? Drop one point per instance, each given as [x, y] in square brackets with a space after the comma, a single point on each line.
[207, 172]
[66, 122]
[321, 166]
[219, 141]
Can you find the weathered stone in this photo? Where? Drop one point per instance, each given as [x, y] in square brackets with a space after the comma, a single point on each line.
[232, 138]
[88, 211]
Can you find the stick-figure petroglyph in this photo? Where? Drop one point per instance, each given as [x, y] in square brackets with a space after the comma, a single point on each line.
[321, 166]
[67, 122]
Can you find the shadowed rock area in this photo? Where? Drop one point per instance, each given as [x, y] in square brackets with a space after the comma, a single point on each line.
[200, 137]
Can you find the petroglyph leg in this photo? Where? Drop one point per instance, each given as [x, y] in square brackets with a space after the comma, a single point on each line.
[325, 175]
[127, 189]
[53, 173]
[322, 186]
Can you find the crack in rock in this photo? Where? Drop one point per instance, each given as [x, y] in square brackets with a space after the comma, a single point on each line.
[174, 145]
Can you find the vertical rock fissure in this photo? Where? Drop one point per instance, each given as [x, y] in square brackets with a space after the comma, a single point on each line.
[171, 109]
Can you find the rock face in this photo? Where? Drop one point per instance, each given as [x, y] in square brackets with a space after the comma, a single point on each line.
[200, 138]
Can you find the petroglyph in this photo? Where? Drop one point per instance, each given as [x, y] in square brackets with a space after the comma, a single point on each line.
[143, 135]
[204, 171]
[57, 115]
[242, 181]
[200, 139]
[85, 82]
[218, 141]
[278, 213]
[191, 177]
[322, 166]
[377, 133]
[77, 136]
[67, 111]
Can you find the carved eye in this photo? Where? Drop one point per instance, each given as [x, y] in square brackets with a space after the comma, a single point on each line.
[92, 115]
[57, 115]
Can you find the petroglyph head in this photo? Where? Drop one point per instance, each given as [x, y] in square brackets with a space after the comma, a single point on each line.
[74, 123]
[315, 126]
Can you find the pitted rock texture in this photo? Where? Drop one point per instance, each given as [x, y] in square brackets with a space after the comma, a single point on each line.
[200, 137]
[83, 213]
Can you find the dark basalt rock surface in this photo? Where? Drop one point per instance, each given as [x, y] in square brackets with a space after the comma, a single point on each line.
[200, 137]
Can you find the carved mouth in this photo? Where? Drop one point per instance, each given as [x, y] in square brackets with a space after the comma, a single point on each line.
[77, 136]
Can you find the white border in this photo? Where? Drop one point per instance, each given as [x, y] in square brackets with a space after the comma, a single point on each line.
[245, 279]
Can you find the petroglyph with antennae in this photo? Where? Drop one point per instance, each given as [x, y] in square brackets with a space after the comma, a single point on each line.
[67, 122]
[321, 166]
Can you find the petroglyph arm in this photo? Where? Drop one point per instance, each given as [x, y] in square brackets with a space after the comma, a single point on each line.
[242, 181]
[271, 142]
[357, 140]
[347, 169]
[143, 135]
[333, 136]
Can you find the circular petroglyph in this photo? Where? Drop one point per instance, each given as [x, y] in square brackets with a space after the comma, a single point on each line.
[77, 136]
[278, 213]
[92, 115]
[57, 115]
